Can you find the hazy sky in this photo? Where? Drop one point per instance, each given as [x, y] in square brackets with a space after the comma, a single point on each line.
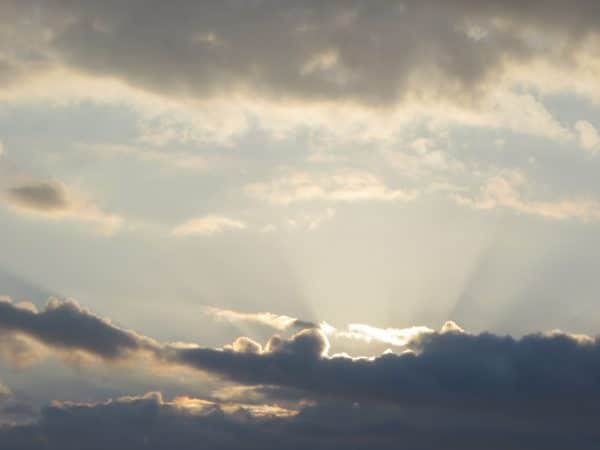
[348, 174]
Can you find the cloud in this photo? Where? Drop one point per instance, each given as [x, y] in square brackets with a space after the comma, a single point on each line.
[588, 135]
[146, 421]
[66, 326]
[244, 344]
[20, 350]
[14, 410]
[357, 71]
[493, 383]
[275, 321]
[501, 191]
[451, 369]
[207, 225]
[151, 422]
[341, 186]
[43, 197]
[371, 52]
[354, 331]
[54, 200]
[399, 337]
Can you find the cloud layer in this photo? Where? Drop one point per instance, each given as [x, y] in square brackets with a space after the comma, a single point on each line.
[209, 131]
[515, 389]
[374, 52]
[450, 367]
[151, 422]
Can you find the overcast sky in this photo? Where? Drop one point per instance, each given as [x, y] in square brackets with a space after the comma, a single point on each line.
[181, 181]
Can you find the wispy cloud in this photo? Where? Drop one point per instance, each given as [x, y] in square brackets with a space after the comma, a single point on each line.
[340, 186]
[207, 225]
[53, 200]
[501, 191]
[399, 337]
[276, 321]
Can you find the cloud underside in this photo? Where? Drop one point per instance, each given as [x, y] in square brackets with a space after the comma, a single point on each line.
[150, 422]
[515, 389]
[450, 367]
[376, 52]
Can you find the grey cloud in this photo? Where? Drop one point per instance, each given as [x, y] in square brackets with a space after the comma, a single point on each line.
[467, 391]
[67, 326]
[149, 422]
[310, 343]
[367, 51]
[41, 196]
[300, 324]
[53, 199]
[452, 368]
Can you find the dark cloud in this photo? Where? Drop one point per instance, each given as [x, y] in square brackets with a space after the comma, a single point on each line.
[375, 51]
[40, 196]
[149, 422]
[454, 389]
[299, 324]
[67, 326]
[52, 199]
[311, 343]
[453, 369]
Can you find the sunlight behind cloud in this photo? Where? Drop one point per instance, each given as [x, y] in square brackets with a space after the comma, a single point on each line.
[207, 225]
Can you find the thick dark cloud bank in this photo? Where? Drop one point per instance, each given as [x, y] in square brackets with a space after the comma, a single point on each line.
[451, 390]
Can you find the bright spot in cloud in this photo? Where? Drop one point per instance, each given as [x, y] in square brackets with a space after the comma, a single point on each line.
[206, 225]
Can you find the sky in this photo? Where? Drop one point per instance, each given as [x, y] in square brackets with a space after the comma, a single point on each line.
[299, 224]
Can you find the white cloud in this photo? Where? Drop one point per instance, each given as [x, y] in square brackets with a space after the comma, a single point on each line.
[207, 225]
[366, 333]
[355, 331]
[501, 191]
[276, 321]
[340, 186]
